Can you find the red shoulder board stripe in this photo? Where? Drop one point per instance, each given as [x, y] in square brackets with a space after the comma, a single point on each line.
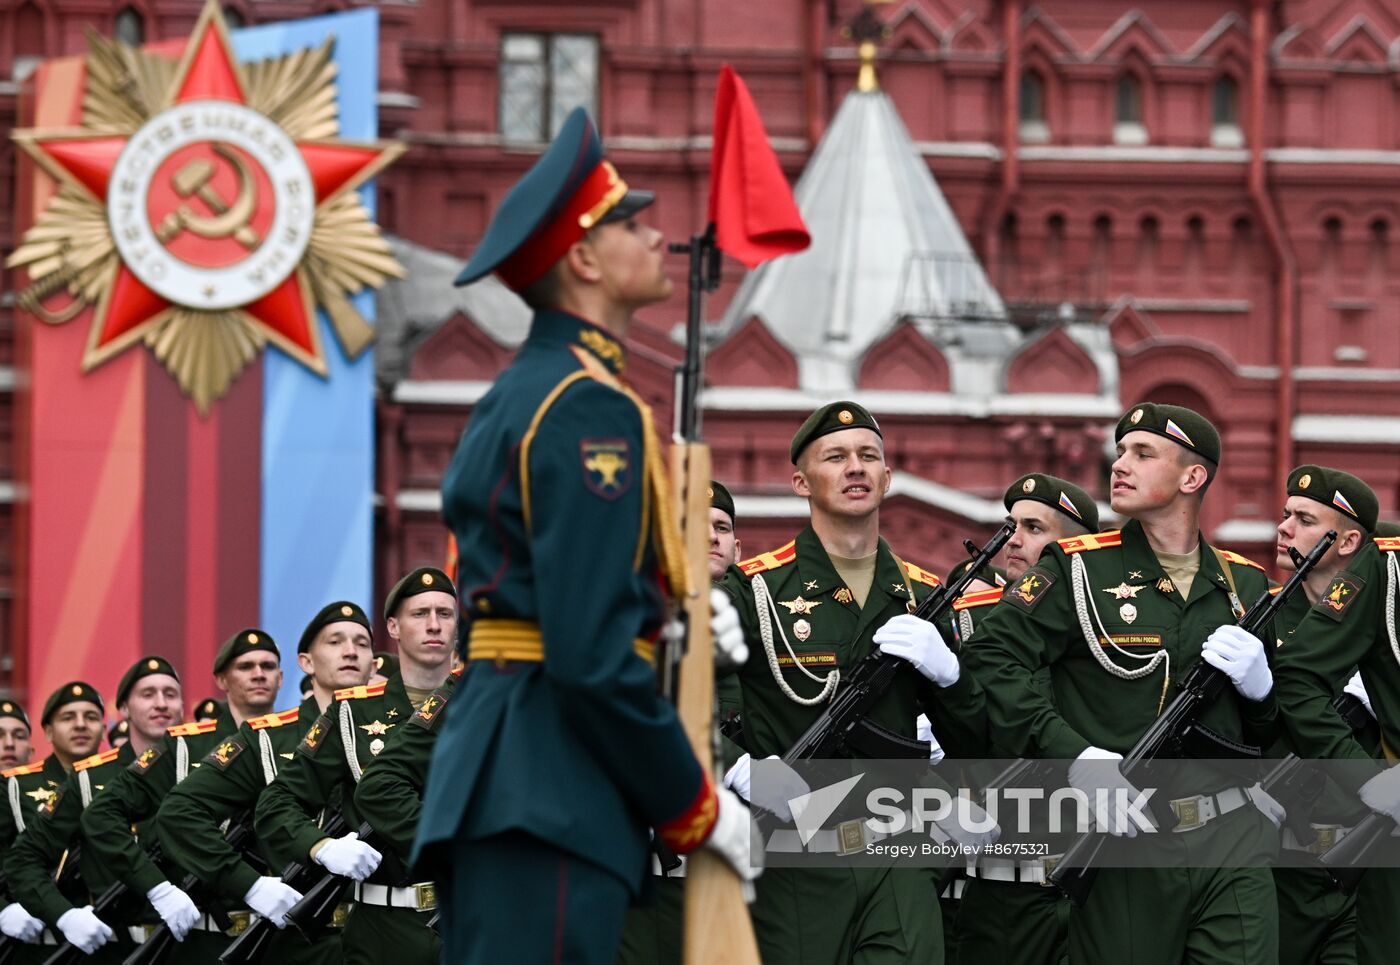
[980, 598]
[192, 728]
[1094, 541]
[106, 757]
[769, 561]
[920, 575]
[1388, 544]
[361, 692]
[275, 720]
[1241, 560]
[33, 767]
[692, 826]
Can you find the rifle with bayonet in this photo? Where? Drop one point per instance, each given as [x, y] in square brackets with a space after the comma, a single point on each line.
[1178, 731]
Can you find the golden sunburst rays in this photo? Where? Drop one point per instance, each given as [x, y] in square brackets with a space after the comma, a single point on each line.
[125, 85]
[205, 351]
[68, 250]
[297, 92]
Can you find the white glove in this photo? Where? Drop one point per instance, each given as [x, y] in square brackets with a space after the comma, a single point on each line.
[730, 837]
[83, 929]
[1358, 690]
[1097, 770]
[730, 649]
[348, 857]
[919, 642]
[175, 909]
[1382, 793]
[924, 730]
[1239, 654]
[1267, 805]
[778, 784]
[272, 899]
[969, 826]
[20, 924]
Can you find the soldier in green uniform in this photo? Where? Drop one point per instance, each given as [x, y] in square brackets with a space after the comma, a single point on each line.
[1317, 922]
[119, 733]
[1115, 619]
[830, 597]
[246, 668]
[390, 911]
[336, 649]
[1009, 913]
[560, 753]
[72, 722]
[149, 696]
[1353, 625]
[14, 735]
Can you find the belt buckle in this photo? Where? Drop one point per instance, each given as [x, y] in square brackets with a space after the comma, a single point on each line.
[1049, 865]
[1188, 813]
[850, 837]
[425, 895]
[339, 916]
[1323, 839]
[238, 923]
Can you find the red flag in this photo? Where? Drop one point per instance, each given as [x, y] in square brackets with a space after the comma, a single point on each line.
[751, 205]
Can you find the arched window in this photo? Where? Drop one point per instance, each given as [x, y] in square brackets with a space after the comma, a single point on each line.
[1225, 113]
[130, 27]
[1127, 111]
[1032, 108]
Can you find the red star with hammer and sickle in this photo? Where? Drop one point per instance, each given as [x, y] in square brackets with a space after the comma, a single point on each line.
[208, 71]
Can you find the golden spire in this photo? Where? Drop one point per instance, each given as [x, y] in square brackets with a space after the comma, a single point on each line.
[865, 29]
[866, 81]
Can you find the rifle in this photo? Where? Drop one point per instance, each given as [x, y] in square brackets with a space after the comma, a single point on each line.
[1344, 861]
[301, 875]
[67, 873]
[844, 725]
[1178, 729]
[313, 913]
[161, 942]
[67, 953]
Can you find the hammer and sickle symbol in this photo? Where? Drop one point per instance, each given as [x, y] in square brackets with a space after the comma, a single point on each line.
[228, 219]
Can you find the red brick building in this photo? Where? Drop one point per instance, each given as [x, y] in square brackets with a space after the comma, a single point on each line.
[1190, 201]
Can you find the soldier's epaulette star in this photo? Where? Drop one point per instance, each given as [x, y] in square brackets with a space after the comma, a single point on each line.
[981, 598]
[275, 720]
[1388, 544]
[33, 767]
[1093, 541]
[781, 556]
[362, 691]
[1240, 560]
[192, 728]
[920, 575]
[106, 757]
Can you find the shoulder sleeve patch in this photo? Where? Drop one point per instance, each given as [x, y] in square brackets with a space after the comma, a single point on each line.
[781, 556]
[229, 748]
[1030, 589]
[1094, 541]
[1239, 560]
[1341, 593]
[607, 466]
[981, 598]
[315, 737]
[1388, 544]
[920, 575]
[430, 713]
[97, 760]
[144, 760]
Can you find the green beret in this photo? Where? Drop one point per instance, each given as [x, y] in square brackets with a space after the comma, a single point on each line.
[8, 708]
[306, 684]
[145, 667]
[121, 730]
[1341, 490]
[208, 709]
[1174, 422]
[386, 663]
[832, 417]
[425, 579]
[71, 693]
[720, 499]
[989, 574]
[1056, 493]
[244, 641]
[341, 611]
[1387, 529]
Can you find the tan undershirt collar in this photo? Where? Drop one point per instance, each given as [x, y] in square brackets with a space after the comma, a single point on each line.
[859, 574]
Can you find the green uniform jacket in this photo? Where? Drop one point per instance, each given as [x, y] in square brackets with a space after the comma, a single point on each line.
[1036, 625]
[1346, 629]
[227, 784]
[36, 854]
[390, 795]
[320, 773]
[135, 795]
[553, 509]
[29, 789]
[827, 634]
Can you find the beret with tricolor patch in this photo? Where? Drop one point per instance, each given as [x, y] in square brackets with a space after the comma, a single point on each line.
[145, 667]
[425, 579]
[341, 611]
[1056, 493]
[721, 499]
[832, 417]
[1340, 490]
[1177, 423]
[247, 640]
[11, 708]
[71, 693]
[571, 188]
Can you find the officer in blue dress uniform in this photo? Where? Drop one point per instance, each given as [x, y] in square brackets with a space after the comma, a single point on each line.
[559, 751]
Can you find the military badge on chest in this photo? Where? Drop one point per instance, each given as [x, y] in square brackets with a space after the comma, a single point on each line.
[375, 729]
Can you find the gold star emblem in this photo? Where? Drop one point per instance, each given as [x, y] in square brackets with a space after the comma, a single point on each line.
[1123, 591]
[152, 664]
[77, 691]
[427, 579]
[799, 606]
[41, 796]
[844, 417]
[252, 638]
[376, 728]
[345, 611]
